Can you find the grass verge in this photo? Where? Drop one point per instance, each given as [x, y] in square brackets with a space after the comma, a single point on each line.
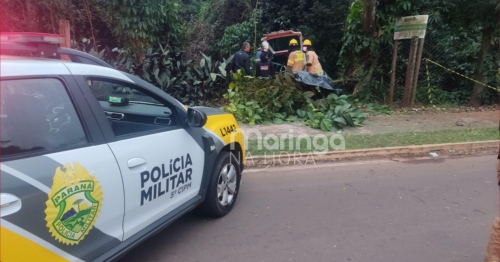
[375, 141]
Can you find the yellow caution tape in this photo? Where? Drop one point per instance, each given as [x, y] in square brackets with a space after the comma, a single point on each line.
[429, 90]
[466, 77]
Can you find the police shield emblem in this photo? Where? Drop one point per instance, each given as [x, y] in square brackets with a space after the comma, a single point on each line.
[73, 204]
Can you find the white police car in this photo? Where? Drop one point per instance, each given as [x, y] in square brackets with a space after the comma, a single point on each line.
[94, 160]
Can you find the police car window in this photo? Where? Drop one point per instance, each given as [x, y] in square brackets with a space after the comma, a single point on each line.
[130, 110]
[37, 114]
[103, 90]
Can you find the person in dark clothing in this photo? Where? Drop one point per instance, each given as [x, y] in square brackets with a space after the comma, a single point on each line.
[264, 67]
[263, 49]
[241, 59]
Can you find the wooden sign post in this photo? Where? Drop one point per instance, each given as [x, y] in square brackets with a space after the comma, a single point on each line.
[410, 72]
[417, 72]
[64, 30]
[393, 72]
[410, 27]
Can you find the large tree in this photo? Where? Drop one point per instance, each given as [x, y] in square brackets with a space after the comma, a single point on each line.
[369, 30]
[138, 24]
[369, 11]
[481, 14]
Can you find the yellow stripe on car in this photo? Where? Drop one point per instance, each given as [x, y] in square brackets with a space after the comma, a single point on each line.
[226, 128]
[17, 248]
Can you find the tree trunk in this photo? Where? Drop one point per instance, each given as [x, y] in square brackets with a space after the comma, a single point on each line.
[393, 74]
[410, 72]
[369, 17]
[374, 63]
[418, 61]
[487, 34]
[368, 78]
[368, 31]
[255, 24]
[89, 17]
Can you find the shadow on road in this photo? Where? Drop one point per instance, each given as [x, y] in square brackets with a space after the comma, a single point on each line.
[171, 238]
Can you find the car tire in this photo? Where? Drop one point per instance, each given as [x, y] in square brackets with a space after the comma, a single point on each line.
[223, 187]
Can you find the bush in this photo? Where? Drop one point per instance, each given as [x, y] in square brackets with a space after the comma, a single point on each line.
[332, 113]
[258, 101]
[234, 36]
[191, 83]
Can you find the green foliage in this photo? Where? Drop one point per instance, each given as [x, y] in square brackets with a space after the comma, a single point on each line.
[354, 37]
[289, 14]
[333, 113]
[234, 36]
[320, 21]
[259, 101]
[443, 97]
[187, 81]
[354, 41]
[140, 23]
[44, 15]
[193, 9]
[378, 109]
[376, 90]
[453, 39]
[218, 27]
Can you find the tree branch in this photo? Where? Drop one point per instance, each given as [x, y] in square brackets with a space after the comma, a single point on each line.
[89, 17]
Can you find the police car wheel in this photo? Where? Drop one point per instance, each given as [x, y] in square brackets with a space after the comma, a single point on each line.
[223, 187]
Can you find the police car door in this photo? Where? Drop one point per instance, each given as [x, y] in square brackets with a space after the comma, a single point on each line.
[61, 188]
[161, 163]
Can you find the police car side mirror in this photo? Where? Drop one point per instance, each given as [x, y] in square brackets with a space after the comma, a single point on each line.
[196, 118]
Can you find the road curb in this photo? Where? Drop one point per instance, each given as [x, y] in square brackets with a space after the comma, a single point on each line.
[374, 152]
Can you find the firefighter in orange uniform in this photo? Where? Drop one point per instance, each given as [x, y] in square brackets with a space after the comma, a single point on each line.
[313, 64]
[295, 57]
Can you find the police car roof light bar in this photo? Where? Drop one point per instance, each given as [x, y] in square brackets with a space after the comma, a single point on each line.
[30, 37]
[46, 43]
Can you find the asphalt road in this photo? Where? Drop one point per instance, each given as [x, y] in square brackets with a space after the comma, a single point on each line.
[427, 210]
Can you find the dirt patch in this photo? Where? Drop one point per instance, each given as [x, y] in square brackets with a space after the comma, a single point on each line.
[411, 121]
